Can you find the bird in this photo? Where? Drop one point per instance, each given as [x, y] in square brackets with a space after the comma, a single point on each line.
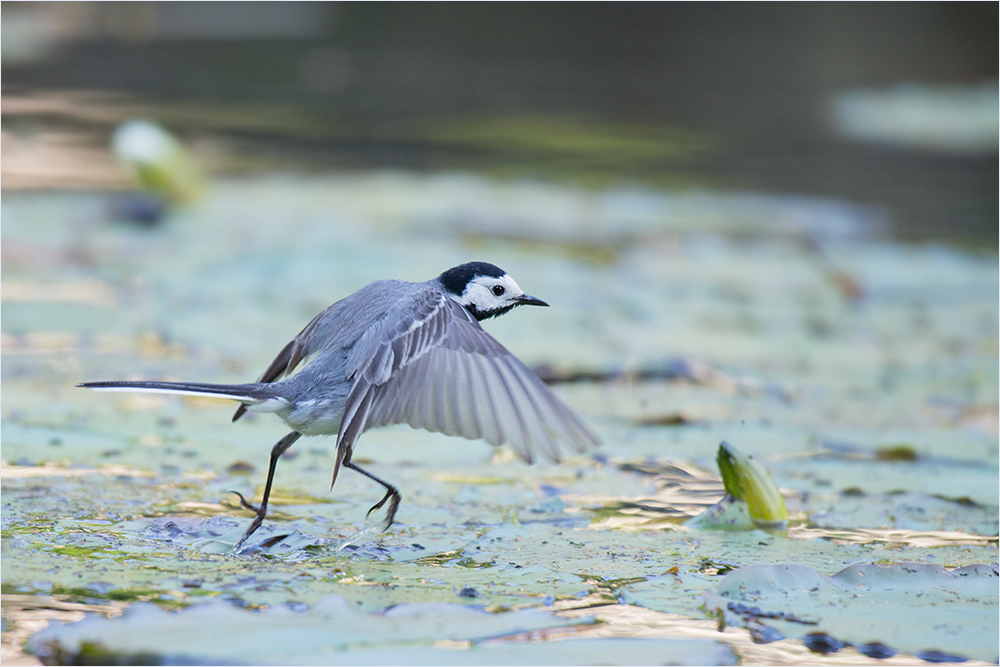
[398, 352]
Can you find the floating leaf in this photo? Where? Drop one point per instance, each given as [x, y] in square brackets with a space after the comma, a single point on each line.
[911, 607]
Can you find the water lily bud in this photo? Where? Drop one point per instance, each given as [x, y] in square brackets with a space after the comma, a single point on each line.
[161, 163]
[747, 480]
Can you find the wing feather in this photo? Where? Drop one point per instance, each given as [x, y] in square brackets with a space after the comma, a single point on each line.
[535, 425]
[520, 438]
[431, 365]
[465, 399]
[487, 407]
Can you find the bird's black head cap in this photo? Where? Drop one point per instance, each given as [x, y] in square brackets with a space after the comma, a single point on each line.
[455, 280]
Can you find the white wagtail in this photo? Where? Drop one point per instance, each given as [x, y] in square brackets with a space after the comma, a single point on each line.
[397, 352]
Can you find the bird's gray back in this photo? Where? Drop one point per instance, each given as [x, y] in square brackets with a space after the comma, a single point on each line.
[344, 338]
[343, 323]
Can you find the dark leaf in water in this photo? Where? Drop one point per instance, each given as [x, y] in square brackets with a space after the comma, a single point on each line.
[940, 656]
[876, 650]
[820, 642]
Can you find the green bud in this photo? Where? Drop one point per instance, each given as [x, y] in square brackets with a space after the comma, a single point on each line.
[160, 162]
[747, 480]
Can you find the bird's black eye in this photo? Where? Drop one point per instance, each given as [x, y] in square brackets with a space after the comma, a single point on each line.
[498, 290]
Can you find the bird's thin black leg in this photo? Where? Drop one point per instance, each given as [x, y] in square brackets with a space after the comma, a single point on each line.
[391, 492]
[279, 448]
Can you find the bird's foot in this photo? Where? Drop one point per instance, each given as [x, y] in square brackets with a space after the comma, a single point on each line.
[251, 529]
[393, 496]
[244, 504]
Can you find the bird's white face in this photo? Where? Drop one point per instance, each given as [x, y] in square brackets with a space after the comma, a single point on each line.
[489, 295]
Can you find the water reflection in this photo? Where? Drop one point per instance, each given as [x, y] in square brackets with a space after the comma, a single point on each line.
[914, 538]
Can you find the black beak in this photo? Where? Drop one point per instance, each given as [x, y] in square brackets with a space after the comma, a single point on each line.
[528, 300]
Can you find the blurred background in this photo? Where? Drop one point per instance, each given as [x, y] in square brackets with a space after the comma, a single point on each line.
[892, 106]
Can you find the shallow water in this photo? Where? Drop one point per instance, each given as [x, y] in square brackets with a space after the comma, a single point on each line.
[860, 371]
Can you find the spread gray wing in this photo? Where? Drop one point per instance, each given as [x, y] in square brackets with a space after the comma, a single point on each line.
[433, 367]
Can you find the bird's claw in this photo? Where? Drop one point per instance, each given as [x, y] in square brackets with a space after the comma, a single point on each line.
[254, 525]
[393, 506]
[244, 503]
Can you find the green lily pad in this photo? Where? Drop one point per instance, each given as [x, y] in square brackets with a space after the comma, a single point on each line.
[912, 608]
[334, 631]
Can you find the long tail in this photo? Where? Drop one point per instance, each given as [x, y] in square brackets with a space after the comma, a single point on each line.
[261, 396]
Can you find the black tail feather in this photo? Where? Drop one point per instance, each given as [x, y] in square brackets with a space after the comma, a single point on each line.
[247, 393]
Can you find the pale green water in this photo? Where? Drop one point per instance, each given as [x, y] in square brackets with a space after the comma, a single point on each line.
[864, 377]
